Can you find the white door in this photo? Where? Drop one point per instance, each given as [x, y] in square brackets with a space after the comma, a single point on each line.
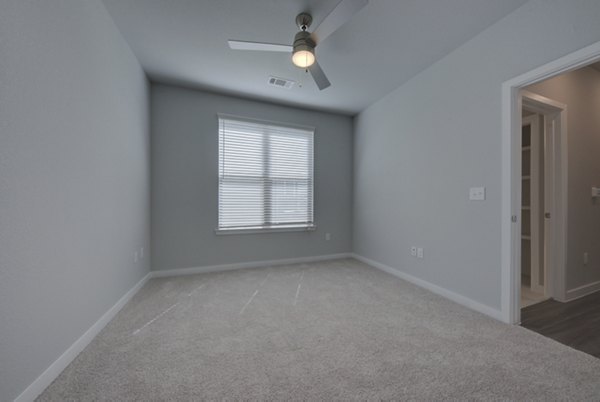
[531, 211]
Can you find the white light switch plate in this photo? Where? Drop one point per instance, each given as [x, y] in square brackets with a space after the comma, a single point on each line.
[477, 193]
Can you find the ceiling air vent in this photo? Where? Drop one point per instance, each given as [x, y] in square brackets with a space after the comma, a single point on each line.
[281, 82]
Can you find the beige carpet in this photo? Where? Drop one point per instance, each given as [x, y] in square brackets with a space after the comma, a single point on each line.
[336, 330]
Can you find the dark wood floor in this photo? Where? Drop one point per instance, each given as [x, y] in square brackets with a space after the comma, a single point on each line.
[576, 323]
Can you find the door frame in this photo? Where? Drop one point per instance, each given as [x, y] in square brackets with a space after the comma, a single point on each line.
[555, 143]
[512, 103]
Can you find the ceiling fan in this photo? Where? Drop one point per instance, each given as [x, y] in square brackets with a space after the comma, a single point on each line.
[303, 48]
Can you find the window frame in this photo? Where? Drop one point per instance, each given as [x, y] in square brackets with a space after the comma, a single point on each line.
[292, 227]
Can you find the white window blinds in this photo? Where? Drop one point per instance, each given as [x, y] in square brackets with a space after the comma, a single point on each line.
[265, 175]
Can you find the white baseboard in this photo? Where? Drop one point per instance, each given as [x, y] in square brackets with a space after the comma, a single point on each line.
[582, 291]
[52, 372]
[243, 265]
[448, 294]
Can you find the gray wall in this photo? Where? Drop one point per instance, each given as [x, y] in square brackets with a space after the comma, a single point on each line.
[185, 182]
[580, 91]
[418, 150]
[74, 178]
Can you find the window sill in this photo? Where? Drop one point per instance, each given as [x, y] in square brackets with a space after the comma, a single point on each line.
[254, 230]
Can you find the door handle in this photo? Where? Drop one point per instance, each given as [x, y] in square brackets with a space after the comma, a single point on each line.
[547, 215]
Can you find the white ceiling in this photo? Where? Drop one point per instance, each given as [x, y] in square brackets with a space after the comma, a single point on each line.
[384, 45]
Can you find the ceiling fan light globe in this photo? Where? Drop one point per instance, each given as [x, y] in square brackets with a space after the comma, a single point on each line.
[303, 58]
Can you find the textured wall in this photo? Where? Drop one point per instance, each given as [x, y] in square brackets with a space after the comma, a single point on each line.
[580, 91]
[185, 182]
[418, 150]
[74, 178]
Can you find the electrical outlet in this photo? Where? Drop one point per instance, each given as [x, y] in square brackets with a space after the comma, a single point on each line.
[420, 252]
[413, 251]
[327, 236]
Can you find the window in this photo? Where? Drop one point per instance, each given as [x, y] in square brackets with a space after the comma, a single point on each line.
[265, 175]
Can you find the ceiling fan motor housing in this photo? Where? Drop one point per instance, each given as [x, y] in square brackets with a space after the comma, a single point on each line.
[303, 20]
[303, 41]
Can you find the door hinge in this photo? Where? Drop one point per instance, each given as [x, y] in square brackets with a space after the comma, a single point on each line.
[513, 219]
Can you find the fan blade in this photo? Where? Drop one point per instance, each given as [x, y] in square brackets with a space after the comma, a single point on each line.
[267, 47]
[319, 76]
[341, 14]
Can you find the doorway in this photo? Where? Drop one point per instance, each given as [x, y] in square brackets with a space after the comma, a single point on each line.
[540, 186]
[542, 136]
[532, 240]
[555, 227]
[571, 318]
